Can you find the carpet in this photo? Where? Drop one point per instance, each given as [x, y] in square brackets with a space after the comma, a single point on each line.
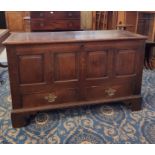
[103, 124]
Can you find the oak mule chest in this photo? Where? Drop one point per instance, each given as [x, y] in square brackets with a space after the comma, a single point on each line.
[53, 70]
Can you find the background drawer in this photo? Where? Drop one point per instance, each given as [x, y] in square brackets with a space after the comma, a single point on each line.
[38, 24]
[38, 14]
[55, 24]
[63, 24]
[56, 14]
[63, 14]
[49, 98]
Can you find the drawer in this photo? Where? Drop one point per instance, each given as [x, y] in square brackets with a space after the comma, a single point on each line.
[38, 24]
[38, 14]
[55, 25]
[108, 92]
[56, 14]
[63, 14]
[50, 98]
[63, 25]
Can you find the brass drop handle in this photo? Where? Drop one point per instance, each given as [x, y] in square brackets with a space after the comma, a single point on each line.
[50, 97]
[110, 91]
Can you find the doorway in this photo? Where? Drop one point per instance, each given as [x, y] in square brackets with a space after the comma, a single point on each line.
[2, 20]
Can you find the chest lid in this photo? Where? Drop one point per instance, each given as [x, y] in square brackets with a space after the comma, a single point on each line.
[70, 36]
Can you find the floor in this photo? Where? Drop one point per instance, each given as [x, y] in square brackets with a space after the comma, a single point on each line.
[3, 57]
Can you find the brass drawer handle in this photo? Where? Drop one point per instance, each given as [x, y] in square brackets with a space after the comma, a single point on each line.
[51, 12]
[50, 97]
[110, 91]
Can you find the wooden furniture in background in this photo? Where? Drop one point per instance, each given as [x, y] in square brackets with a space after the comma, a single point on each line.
[104, 20]
[14, 20]
[146, 26]
[53, 70]
[24, 18]
[54, 20]
[141, 22]
[86, 20]
[127, 20]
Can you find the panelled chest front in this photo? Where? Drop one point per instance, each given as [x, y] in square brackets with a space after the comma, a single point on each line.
[66, 69]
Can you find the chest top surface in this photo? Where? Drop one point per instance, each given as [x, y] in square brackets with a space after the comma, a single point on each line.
[71, 36]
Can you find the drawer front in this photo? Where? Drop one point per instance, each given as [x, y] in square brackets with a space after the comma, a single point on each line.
[38, 14]
[109, 91]
[63, 24]
[55, 25]
[56, 14]
[63, 14]
[50, 98]
[38, 24]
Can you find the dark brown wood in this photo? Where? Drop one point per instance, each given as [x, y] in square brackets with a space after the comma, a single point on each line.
[32, 111]
[149, 54]
[55, 20]
[67, 69]
[19, 120]
[134, 104]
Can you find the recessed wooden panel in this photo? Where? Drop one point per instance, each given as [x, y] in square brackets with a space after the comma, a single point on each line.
[125, 62]
[66, 66]
[97, 64]
[31, 69]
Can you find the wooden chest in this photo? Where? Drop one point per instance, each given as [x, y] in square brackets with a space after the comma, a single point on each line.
[66, 69]
[55, 20]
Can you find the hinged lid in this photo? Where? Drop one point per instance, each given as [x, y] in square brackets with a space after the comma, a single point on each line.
[70, 36]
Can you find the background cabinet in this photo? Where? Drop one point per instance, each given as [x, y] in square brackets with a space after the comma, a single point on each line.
[14, 20]
[23, 18]
[54, 20]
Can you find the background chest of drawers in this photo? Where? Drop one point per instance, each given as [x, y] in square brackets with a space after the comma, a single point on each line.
[54, 20]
